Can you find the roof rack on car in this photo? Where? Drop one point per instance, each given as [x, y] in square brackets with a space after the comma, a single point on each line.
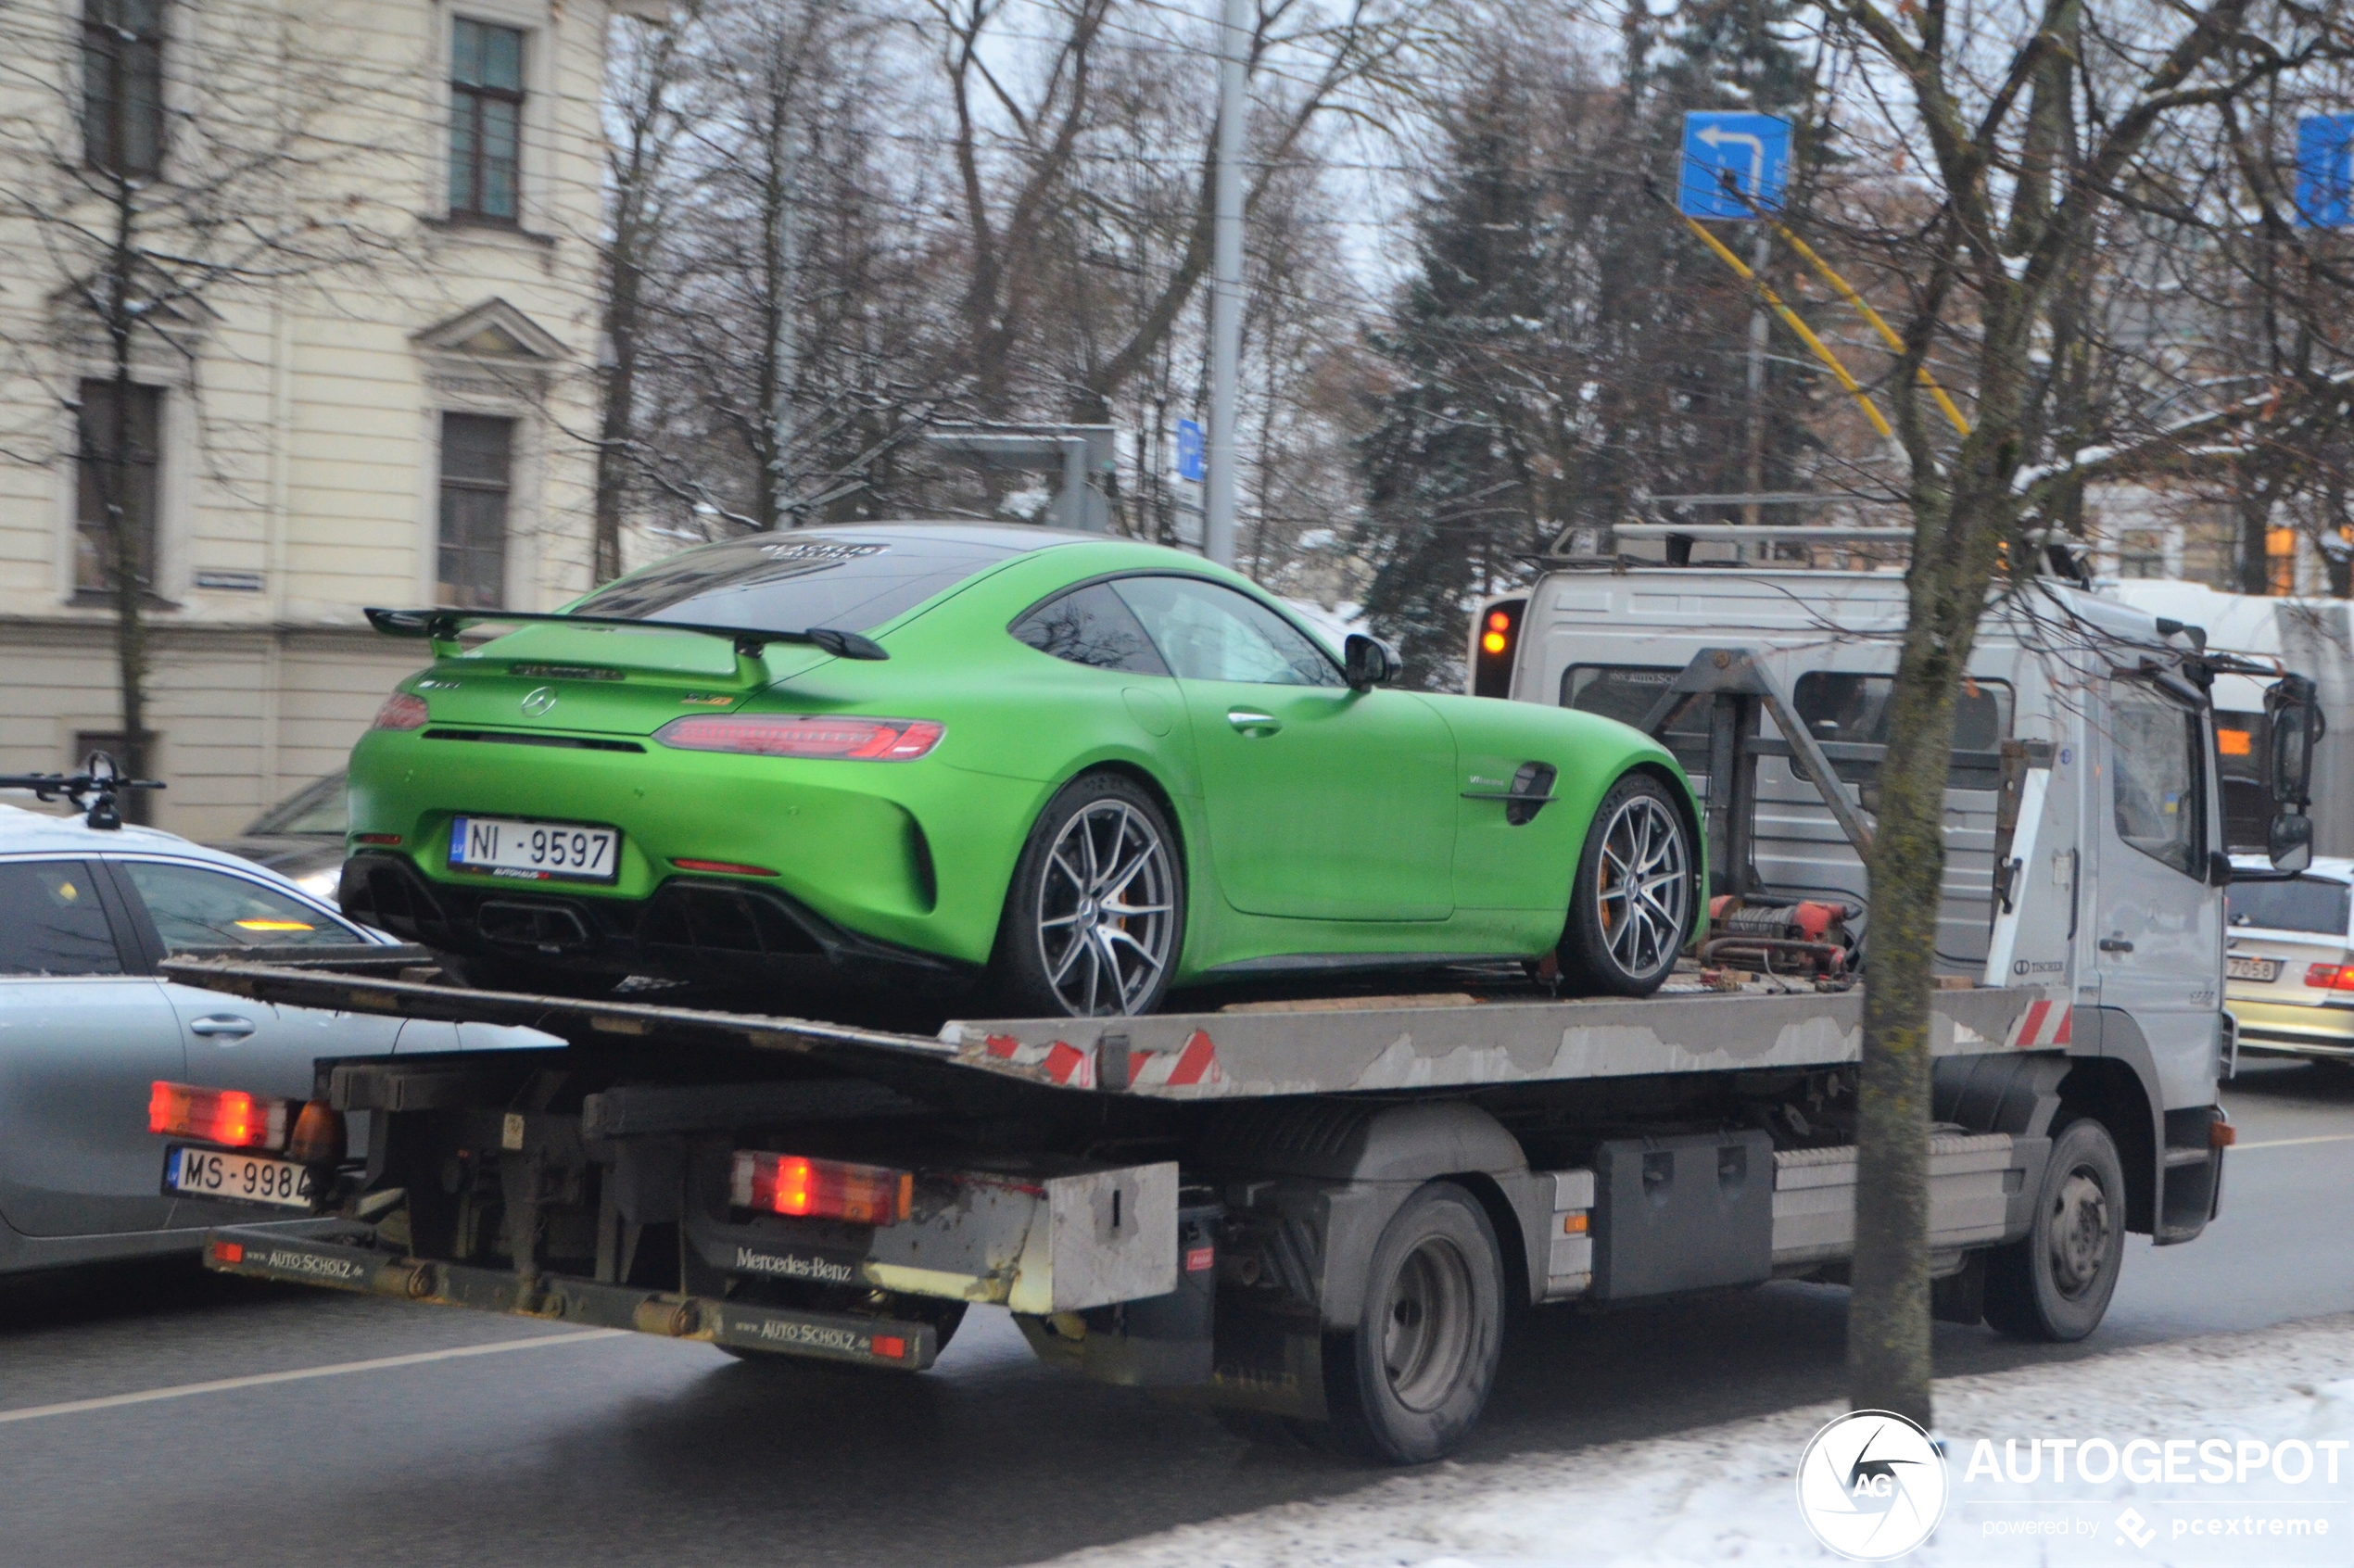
[99, 779]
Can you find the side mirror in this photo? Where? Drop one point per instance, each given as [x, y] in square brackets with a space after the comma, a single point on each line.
[1369, 661]
[2289, 841]
[2294, 707]
[2219, 869]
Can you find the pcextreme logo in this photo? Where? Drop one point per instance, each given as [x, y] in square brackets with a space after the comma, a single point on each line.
[1871, 1486]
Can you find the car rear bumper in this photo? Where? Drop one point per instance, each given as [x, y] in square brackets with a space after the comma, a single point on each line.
[2320, 1031]
[691, 929]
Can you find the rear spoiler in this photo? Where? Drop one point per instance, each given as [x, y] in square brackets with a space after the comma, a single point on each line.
[442, 627]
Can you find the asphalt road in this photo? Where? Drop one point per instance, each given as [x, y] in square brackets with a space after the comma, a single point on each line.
[492, 1441]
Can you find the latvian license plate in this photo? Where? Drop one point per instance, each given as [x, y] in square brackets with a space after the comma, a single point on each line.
[218, 1173]
[534, 851]
[2264, 969]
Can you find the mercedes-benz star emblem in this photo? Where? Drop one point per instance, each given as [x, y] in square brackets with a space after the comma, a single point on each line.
[539, 700]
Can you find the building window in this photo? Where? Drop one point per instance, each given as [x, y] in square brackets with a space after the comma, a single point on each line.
[115, 479]
[486, 119]
[476, 455]
[2141, 556]
[122, 86]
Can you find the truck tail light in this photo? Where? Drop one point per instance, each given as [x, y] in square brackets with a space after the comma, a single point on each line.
[228, 1118]
[1494, 639]
[402, 710]
[803, 735]
[2330, 977]
[318, 1135]
[820, 1188]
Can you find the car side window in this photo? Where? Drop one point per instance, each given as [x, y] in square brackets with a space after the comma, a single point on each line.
[195, 908]
[1091, 626]
[51, 921]
[2156, 774]
[1208, 632]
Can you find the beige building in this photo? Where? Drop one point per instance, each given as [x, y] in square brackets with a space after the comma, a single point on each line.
[361, 242]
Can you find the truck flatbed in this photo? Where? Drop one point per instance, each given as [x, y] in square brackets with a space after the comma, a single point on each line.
[1307, 1046]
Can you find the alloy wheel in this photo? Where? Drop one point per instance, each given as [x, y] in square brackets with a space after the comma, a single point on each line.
[1644, 886]
[1105, 910]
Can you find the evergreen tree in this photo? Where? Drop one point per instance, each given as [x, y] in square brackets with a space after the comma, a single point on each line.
[1449, 465]
[1565, 346]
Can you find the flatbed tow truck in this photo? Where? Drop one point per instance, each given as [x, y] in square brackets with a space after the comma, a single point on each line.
[1313, 1213]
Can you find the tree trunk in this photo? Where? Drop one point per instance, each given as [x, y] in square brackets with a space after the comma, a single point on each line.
[128, 565]
[618, 428]
[1957, 536]
[2252, 501]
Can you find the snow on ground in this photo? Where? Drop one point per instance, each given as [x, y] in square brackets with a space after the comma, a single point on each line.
[1727, 1494]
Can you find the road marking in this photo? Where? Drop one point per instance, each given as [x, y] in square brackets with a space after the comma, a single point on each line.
[2286, 1143]
[380, 1363]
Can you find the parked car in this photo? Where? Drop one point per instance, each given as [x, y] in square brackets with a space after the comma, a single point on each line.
[301, 838]
[87, 1025]
[2289, 957]
[1078, 769]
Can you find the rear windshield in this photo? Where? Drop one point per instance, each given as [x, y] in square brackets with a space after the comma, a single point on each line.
[2303, 904]
[784, 583]
[1854, 709]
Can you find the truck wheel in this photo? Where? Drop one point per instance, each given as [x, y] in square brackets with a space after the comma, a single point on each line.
[1632, 902]
[1097, 905]
[1409, 1382]
[2054, 1284]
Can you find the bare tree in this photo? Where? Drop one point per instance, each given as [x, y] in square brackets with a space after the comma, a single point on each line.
[164, 177]
[2027, 133]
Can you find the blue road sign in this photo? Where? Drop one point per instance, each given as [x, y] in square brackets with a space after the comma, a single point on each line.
[1753, 148]
[2326, 170]
[1189, 458]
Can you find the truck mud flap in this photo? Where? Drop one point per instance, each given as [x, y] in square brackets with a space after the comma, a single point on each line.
[348, 1261]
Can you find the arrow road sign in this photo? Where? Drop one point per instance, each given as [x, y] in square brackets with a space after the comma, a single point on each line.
[2326, 170]
[1753, 148]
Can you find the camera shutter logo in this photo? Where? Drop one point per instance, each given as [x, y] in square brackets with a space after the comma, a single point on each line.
[1871, 1486]
[539, 700]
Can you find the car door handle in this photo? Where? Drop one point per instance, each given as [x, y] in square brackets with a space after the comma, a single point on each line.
[2116, 944]
[222, 1024]
[1253, 724]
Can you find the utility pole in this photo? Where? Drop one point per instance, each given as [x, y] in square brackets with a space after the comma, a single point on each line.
[1758, 327]
[1226, 286]
[783, 343]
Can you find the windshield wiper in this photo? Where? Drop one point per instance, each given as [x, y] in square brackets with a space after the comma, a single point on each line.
[442, 627]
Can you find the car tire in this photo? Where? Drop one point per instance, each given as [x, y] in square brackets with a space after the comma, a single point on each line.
[1635, 896]
[2054, 1284]
[1410, 1381]
[1098, 897]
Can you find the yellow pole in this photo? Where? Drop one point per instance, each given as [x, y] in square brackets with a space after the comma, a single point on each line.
[1805, 334]
[1888, 334]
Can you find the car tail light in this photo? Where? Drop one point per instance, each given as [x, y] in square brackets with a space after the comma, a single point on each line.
[230, 1117]
[402, 710]
[318, 1135]
[725, 867]
[1494, 640]
[820, 1188]
[803, 735]
[2331, 977]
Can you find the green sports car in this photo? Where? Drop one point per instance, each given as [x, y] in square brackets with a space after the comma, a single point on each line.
[936, 757]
